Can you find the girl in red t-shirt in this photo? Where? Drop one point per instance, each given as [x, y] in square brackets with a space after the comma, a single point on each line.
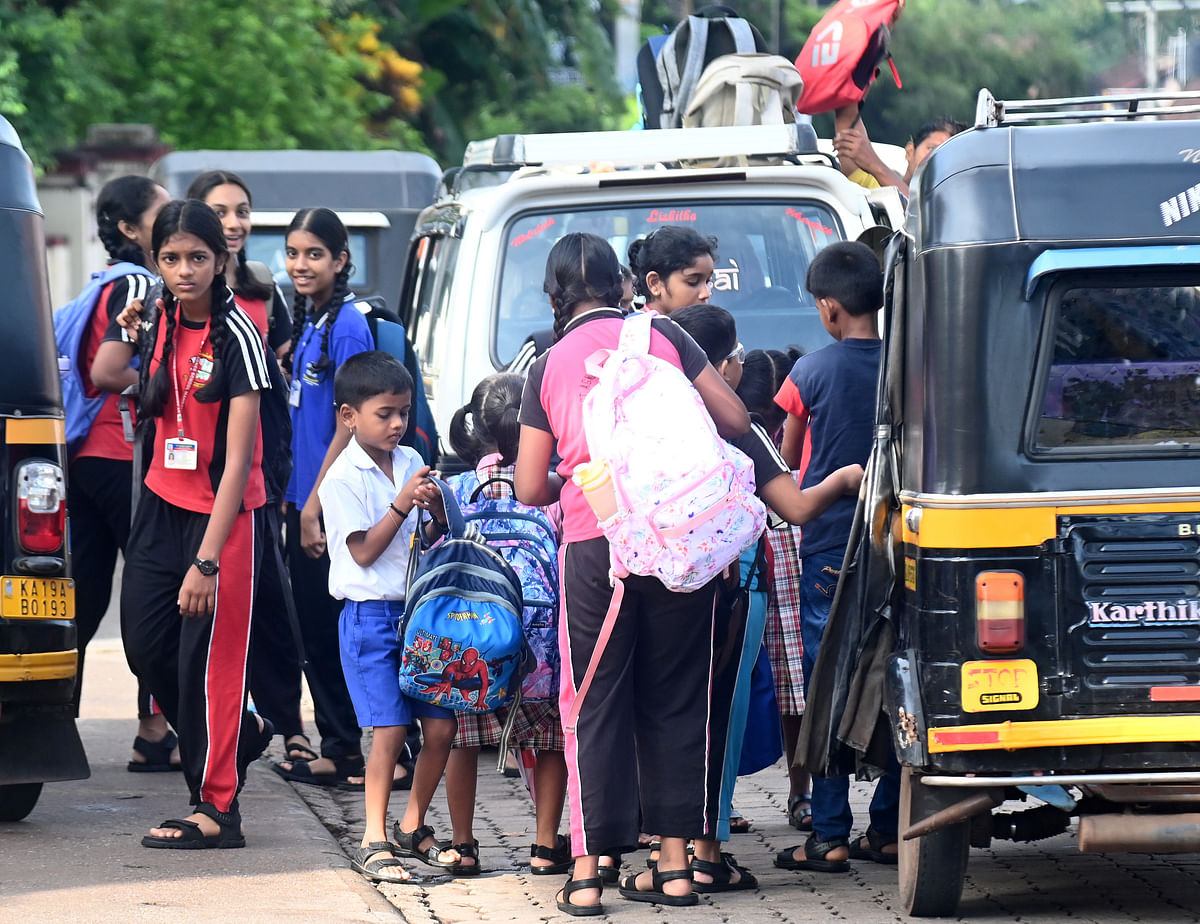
[194, 553]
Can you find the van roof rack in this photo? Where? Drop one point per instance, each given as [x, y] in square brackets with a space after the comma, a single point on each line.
[615, 150]
[992, 113]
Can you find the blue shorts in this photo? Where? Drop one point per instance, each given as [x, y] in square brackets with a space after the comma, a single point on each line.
[371, 650]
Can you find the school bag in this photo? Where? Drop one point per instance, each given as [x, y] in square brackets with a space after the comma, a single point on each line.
[389, 335]
[685, 498]
[745, 89]
[71, 323]
[463, 644]
[526, 538]
[688, 50]
[841, 58]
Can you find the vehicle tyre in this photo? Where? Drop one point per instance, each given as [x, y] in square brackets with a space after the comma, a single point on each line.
[931, 867]
[18, 799]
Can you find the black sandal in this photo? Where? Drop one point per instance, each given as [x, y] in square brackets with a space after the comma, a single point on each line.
[656, 895]
[739, 824]
[297, 751]
[343, 769]
[610, 874]
[799, 812]
[466, 852]
[374, 869]
[157, 754]
[566, 906]
[229, 834]
[815, 853]
[874, 849]
[559, 856]
[722, 875]
[408, 844]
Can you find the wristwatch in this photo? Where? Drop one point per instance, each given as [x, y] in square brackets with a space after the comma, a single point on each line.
[206, 566]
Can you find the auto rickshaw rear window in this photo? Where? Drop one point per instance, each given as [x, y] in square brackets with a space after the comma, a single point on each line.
[1123, 372]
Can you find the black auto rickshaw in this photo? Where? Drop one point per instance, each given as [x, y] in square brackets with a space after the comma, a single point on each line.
[38, 738]
[1020, 611]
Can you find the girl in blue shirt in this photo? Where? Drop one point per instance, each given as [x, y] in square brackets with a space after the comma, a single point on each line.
[327, 329]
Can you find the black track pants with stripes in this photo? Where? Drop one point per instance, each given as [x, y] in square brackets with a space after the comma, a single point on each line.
[196, 668]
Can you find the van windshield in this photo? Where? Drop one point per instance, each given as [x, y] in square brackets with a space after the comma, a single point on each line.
[1125, 370]
[763, 251]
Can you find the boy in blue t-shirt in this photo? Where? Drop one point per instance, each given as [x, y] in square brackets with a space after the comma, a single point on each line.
[369, 494]
[830, 398]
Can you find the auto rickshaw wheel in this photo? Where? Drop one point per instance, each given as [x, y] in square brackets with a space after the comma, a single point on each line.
[18, 799]
[931, 867]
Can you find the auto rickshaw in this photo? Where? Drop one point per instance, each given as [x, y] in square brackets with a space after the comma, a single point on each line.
[38, 738]
[1019, 615]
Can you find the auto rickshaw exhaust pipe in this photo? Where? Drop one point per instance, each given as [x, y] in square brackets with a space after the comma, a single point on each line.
[1140, 833]
[966, 808]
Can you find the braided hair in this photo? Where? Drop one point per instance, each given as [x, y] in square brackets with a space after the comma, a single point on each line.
[127, 198]
[189, 217]
[489, 421]
[243, 283]
[581, 267]
[324, 225]
[670, 248]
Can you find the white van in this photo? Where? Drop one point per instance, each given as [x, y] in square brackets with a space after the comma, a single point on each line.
[472, 287]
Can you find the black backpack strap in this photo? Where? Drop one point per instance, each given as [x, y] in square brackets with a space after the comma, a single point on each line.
[497, 480]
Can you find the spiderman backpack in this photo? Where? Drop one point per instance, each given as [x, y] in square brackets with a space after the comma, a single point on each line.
[464, 648]
[841, 58]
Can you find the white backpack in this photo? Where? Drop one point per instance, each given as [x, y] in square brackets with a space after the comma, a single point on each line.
[685, 498]
[745, 89]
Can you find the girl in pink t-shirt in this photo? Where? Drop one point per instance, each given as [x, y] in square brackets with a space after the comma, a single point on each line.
[649, 696]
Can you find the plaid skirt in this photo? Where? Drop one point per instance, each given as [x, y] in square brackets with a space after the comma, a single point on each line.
[537, 726]
[785, 649]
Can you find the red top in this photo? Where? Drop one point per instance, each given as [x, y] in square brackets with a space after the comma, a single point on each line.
[239, 367]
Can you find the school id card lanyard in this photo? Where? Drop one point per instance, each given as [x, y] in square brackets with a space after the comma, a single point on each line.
[179, 452]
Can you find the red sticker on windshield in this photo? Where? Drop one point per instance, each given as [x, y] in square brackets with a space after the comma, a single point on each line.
[670, 216]
[532, 232]
[815, 225]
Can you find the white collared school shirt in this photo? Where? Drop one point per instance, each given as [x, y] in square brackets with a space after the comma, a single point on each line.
[354, 497]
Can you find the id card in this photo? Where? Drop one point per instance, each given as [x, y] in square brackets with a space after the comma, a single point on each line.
[180, 453]
[294, 393]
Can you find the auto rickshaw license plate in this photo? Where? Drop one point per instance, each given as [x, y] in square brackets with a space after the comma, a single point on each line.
[37, 598]
[992, 686]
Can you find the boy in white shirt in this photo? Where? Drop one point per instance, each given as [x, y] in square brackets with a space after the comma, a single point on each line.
[370, 525]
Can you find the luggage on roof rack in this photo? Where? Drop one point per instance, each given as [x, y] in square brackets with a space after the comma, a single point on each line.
[992, 113]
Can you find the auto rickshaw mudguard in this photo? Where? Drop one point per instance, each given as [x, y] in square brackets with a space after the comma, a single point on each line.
[905, 714]
[40, 744]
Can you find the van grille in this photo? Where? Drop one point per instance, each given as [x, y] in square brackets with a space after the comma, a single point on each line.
[1132, 602]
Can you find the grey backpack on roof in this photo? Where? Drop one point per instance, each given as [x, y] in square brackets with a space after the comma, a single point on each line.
[750, 89]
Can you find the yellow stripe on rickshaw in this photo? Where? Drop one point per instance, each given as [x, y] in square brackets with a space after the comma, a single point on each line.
[1012, 736]
[1011, 527]
[42, 665]
[35, 430]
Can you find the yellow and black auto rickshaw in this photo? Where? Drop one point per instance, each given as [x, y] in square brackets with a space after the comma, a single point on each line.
[38, 738]
[1020, 612]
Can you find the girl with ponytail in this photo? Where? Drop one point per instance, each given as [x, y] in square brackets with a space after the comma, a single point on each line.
[650, 695]
[186, 633]
[327, 329]
[101, 470]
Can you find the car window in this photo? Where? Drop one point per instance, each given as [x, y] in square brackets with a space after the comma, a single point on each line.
[764, 248]
[1124, 370]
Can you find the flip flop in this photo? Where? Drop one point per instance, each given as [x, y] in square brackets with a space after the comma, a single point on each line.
[656, 895]
[815, 852]
[874, 849]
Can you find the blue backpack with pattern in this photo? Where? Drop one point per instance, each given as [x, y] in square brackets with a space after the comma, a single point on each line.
[526, 538]
[463, 644]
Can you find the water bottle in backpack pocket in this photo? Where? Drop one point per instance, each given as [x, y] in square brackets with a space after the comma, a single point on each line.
[464, 646]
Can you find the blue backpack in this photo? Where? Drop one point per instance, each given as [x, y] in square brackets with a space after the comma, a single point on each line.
[525, 537]
[464, 648]
[71, 322]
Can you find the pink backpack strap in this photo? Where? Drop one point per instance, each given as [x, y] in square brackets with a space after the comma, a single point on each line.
[606, 629]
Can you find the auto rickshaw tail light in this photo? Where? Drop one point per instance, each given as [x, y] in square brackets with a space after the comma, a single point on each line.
[1000, 611]
[41, 507]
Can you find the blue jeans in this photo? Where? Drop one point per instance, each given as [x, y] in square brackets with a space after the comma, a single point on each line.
[832, 817]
